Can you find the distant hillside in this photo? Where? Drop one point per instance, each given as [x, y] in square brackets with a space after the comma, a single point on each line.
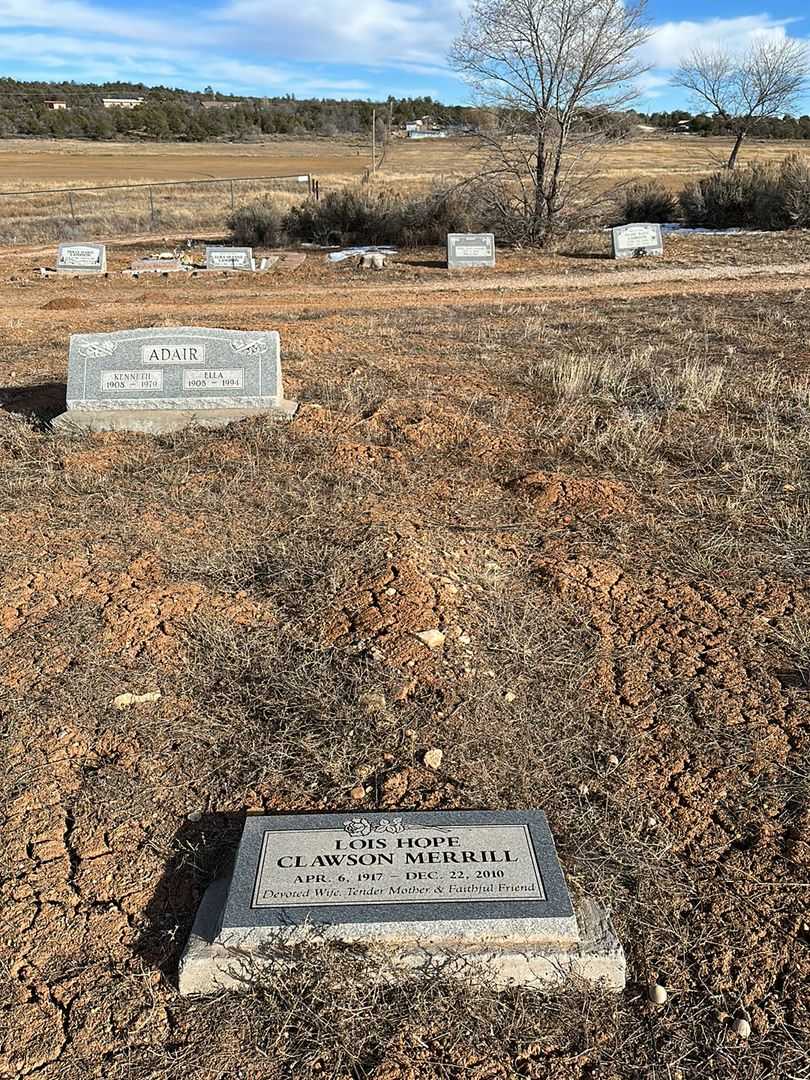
[63, 110]
[77, 110]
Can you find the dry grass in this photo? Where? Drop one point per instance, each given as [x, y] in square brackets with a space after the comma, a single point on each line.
[409, 168]
[125, 211]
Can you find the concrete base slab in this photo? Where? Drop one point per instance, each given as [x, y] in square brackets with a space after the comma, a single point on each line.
[165, 421]
[211, 962]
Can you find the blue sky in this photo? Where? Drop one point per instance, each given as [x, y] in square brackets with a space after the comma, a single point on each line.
[322, 48]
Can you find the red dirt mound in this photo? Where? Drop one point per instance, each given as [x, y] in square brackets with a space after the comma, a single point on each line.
[63, 303]
[386, 609]
[558, 492]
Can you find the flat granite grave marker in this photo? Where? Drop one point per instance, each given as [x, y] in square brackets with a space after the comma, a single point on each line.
[164, 378]
[470, 249]
[633, 241]
[149, 265]
[229, 258]
[81, 259]
[462, 887]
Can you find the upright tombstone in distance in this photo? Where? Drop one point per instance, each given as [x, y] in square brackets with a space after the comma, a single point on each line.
[461, 887]
[164, 378]
[633, 241]
[81, 259]
[229, 258]
[470, 249]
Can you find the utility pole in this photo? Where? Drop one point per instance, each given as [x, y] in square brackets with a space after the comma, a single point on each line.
[373, 142]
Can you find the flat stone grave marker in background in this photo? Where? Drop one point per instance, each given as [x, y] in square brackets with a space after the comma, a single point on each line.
[78, 258]
[158, 266]
[462, 887]
[470, 249]
[291, 260]
[229, 258]
[631, 241]
[164, 378]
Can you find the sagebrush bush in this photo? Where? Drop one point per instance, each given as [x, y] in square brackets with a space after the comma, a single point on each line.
[257, 223]
[648, 202]
[358, 217]
[794, 178]
[755, 197]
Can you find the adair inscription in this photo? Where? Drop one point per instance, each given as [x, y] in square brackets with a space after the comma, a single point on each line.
[186, 353]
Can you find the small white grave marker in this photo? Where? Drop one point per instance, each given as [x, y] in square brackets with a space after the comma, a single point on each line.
[81, 259]
[633, 241]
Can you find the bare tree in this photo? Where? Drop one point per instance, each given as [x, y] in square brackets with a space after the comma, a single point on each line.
[552, 72]
[744, 88]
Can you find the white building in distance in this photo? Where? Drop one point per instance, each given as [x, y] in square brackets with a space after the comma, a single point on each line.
[121, 102]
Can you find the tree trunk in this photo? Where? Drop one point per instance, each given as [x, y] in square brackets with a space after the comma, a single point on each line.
[732, 161]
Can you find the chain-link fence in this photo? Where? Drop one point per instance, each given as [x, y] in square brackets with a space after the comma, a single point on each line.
[70, 213]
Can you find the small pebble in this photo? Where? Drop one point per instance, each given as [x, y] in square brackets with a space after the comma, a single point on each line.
[613, 761]
[123, 701]
[657, 994]
[433, 758]
[358, 792]
[583, 789]
[741, 1028]
[509, 697]
[434, 639]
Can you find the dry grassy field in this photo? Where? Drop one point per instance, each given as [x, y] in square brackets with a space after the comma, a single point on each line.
[593, 478]
[407, 167]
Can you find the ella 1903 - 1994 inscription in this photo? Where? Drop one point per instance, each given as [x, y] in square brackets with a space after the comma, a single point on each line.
[386, 864]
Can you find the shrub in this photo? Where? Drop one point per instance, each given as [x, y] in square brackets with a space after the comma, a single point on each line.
[355, 217]
[258, 223]
[753, 198]
[794, 179]
[648, 202]
[347, 217]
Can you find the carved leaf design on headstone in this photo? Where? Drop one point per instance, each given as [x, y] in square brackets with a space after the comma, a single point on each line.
[98, 349]
[249, 348]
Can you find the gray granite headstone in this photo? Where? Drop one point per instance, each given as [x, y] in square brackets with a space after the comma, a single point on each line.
[632, 241]
[78, 258]
[470, 249]
[483, 885]
[229, 258]
[190, 371]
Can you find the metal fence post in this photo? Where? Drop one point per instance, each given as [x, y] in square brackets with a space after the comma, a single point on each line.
[72, 208]
[233, 204]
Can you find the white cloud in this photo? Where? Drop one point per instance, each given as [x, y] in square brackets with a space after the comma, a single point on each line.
[77, 16]
[366, 32]
[673, 40]
[103, 59]
[275, 46]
